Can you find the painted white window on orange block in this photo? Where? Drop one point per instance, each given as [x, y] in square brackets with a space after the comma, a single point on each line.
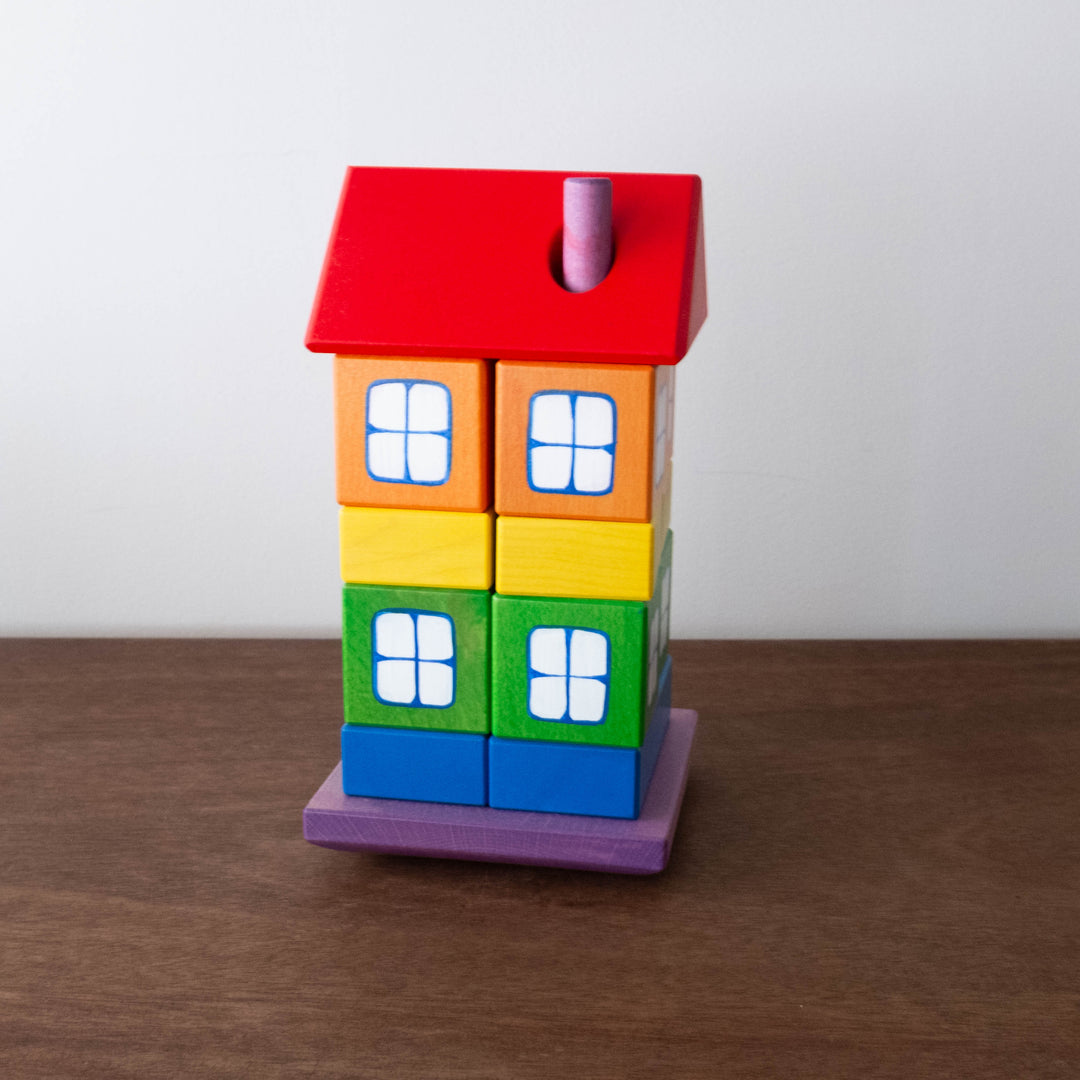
[409, 429]
[571, 442]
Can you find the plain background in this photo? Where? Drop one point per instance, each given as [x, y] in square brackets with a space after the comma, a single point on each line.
[877, 430]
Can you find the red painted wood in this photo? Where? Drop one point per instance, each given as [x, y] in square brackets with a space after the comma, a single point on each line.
[464, 263]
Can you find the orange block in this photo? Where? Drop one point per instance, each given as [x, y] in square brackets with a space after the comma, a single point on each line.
[412, 433]
[580, 440]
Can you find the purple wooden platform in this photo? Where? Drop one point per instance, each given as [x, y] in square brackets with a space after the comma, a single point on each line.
[615, 845]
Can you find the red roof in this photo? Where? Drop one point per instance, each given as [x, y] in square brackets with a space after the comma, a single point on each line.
[459, 263]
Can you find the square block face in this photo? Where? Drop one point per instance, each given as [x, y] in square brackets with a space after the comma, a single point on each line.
[412, 433]
[416, 547]
[566, 778]
[416, 658]
[574, 440]
[426, 766]
[568, 670]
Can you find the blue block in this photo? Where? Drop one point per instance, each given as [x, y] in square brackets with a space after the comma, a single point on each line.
[401, 763]
[574, 778]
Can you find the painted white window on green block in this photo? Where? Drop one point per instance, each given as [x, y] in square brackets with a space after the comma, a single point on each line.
[569, 674]
[413, 658]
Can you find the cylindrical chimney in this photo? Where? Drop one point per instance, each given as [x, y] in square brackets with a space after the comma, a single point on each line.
[586, 249]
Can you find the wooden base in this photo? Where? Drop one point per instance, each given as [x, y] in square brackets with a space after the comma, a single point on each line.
[437, 830]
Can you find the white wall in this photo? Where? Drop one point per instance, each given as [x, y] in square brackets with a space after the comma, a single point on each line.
[877, 430]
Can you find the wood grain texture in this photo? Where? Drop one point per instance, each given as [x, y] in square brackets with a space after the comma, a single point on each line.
[629, 386]
[513, 618]
[877, 875]
[455, 262]
[641, 846]
[438, 548]
[603, 560]
[470, 611]
[468, 486]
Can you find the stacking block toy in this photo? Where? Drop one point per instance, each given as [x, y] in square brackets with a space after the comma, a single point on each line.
[504, 395]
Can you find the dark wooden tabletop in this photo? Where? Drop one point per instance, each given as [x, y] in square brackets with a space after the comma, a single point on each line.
[877, 874]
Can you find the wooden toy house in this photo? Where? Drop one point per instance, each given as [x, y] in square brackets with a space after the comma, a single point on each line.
[504, 456]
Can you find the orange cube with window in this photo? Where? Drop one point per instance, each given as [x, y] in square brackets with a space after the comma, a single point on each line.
[589, 441]
[412, 433]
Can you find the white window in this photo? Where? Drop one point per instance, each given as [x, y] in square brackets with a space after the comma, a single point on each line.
[413, 658]
[660, 631]
[569, 674]
[571, 442]
[663, 420]
[408, 431]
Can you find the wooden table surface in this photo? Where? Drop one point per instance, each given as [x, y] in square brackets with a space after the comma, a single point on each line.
[877, 874]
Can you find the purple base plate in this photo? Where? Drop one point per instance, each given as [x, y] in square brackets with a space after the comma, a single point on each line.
[439, 830]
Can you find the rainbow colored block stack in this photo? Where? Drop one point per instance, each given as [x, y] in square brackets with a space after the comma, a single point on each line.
[504, 460]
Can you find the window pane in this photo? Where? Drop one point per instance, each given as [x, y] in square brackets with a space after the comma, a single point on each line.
[592, 470]
[386, 456]
[386, 406]
[429, 407]
[588, 653]
[594, 421]
[428, 458]
[549, 467]
[547, 697]
[436, 684]
[395, 681]
[550, 419]
[547, 650]
[588, 698]
[394, 634]
[435, 637]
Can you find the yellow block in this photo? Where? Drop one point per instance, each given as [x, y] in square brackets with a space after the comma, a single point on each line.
[613, 560]
[440, 548]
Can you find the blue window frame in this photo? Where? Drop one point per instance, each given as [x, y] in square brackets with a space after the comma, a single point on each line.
[409, 425]
[569, 674]
[572, 439]
[413, 658]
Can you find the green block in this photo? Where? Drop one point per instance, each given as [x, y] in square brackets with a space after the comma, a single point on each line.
[425, 664]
